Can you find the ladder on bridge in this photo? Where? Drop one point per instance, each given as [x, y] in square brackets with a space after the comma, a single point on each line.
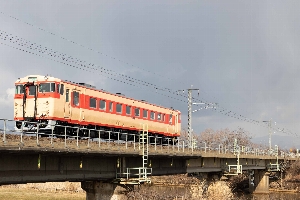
[237, 169]
[276, 166]
[144, 144]
[138, 175]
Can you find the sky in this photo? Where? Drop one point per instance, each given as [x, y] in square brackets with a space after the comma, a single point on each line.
[241, 55]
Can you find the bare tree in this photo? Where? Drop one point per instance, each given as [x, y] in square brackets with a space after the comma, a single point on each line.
[225, 137]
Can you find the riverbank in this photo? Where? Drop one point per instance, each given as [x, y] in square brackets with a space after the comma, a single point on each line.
[162, 188]
[182, 187]
[15, 193]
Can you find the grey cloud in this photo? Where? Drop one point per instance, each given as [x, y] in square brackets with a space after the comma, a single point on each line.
[242, 55]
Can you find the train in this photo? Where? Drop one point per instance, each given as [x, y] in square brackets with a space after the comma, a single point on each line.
[51, 105]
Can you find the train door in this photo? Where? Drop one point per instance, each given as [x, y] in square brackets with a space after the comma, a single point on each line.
[29, 101]
[76, 105]
[67, 108]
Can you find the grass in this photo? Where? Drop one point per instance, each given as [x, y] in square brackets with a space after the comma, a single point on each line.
[32, 194]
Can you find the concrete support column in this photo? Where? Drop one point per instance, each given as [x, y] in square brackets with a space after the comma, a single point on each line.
[261, 181]
[96, 190]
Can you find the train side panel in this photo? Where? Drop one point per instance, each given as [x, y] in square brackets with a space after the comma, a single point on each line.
[75, 104]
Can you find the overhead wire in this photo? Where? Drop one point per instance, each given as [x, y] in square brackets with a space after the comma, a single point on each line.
[94, 50]
[90, 66]
[68, 60]
[91, 49]
[81, 45]
[65, 59]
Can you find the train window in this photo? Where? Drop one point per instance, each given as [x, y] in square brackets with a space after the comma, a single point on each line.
[52, 87]
[19, 89]
[102, 104]
[93, 103]
[119, 108]
[47, 87]
[61, 89]
[145, 113]
[137, 112]
[158, 116]
[110, 106]
[44, 87]
[152, 115]
[32, 90]
[128, 110]
[76, 98]
[67, 95]
[170, 119]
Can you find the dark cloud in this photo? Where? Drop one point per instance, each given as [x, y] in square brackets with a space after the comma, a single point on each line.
[242, 55]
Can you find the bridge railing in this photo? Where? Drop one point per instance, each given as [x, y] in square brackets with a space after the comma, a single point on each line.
[78, 137]
[82, 138]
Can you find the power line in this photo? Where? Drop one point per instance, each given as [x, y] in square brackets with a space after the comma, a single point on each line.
[90, 67]
[68, 61]
[91, 49]
[81, 45]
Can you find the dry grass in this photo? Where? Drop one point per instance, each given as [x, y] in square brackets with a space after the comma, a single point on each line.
[33, 194]
[163, 188]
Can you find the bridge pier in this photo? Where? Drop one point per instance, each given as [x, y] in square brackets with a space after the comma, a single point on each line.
[97, 190]
[260, 182]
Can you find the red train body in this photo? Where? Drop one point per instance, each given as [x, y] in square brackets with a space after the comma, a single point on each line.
[52, 101]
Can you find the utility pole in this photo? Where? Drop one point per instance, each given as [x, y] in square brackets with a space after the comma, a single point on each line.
[190, 103]
[270, 133]
[190, 136]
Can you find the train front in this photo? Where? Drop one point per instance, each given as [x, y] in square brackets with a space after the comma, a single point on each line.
[34, 102]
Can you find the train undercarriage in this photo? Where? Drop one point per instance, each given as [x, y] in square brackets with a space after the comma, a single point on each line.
[57, 128]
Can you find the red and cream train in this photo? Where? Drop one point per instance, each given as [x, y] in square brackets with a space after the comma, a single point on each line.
[52, 101]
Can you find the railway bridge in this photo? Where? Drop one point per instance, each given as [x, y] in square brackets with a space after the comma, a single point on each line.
[103, 165]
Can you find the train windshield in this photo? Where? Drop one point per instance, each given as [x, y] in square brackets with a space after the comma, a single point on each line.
[19, 89]
[47, 87]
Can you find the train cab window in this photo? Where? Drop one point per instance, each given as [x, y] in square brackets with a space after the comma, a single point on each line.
[102, 105]
[128, 110]
[170, 119]
[52, 87]
[47, 87]
[159, 116]
[152, 115]
[93, 103]
[76, 98]
[119, 108]
[145, 113]
[137, 112]
[61, 89]
[32, 90]
[111, 107]
[19, 89]
[67, 95]
[44, 87]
